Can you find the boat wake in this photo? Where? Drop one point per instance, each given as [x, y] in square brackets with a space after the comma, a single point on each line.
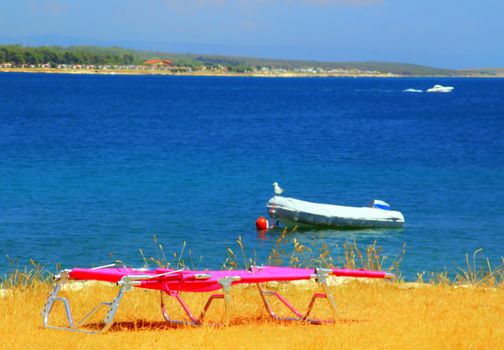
[413, 90]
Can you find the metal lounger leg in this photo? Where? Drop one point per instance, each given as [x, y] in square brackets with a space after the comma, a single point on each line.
[193, 320]
[225, 282]
[207, 305]
[310, 307]
[112, 306]
[266, 293]
[321, 278]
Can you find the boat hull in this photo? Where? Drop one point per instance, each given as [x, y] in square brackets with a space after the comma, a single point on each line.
[440, 88]
[293, 212]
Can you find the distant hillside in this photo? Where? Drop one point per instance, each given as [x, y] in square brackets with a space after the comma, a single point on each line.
[492, 72]
[54, 55]
[384, 67]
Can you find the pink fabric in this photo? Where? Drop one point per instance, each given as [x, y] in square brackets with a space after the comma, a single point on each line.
[186, 280]
[358, 273]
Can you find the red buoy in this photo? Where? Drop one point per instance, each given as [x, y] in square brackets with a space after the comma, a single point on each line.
[262, 223]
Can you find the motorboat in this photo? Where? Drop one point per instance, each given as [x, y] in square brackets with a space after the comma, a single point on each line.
[294, 212]
[440, 88]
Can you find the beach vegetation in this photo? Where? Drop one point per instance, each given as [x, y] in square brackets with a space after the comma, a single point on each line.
[371, 314]
[435, 313]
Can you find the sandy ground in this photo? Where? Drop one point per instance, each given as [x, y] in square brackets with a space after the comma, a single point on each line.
[378, 315]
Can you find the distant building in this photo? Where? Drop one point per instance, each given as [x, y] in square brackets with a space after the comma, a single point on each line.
[157, 62]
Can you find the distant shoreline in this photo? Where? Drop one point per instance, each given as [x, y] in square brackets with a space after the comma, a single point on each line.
[228, 74]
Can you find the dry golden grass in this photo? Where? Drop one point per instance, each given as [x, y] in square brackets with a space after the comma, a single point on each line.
[370, 316]
[463, 311]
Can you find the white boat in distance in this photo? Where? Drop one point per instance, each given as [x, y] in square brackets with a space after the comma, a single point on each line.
[294, 212]
[440, 88]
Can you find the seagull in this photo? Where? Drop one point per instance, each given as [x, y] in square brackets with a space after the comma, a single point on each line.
[278, 190]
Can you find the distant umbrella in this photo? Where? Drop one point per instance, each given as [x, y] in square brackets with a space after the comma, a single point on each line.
[278, 189]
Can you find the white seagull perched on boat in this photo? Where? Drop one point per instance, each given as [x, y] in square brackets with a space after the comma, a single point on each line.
[278, 190]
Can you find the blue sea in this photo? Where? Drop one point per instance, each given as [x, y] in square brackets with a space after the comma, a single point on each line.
[92, 167]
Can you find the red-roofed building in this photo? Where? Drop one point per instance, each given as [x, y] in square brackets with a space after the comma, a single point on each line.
[157, 62]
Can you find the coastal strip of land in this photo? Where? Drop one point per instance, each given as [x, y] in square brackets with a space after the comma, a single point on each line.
[225, 73]
[120, 61]
[383, 315]
[213, 73]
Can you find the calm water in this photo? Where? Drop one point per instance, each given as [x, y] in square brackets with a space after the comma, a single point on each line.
[91, 167]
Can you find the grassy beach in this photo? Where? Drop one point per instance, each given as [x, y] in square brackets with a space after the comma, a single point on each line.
[442, 312]
[371, 315]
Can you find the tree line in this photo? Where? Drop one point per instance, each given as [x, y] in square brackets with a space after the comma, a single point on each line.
[19, 55]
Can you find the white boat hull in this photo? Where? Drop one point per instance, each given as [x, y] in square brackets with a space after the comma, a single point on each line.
[440, 88]
[294, 212]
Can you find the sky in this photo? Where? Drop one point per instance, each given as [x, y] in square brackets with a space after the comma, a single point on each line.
[439, 33]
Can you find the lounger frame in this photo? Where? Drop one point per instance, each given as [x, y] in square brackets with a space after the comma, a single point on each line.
[128, 282]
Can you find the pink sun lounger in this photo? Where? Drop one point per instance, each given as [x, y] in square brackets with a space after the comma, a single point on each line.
[174, 282]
